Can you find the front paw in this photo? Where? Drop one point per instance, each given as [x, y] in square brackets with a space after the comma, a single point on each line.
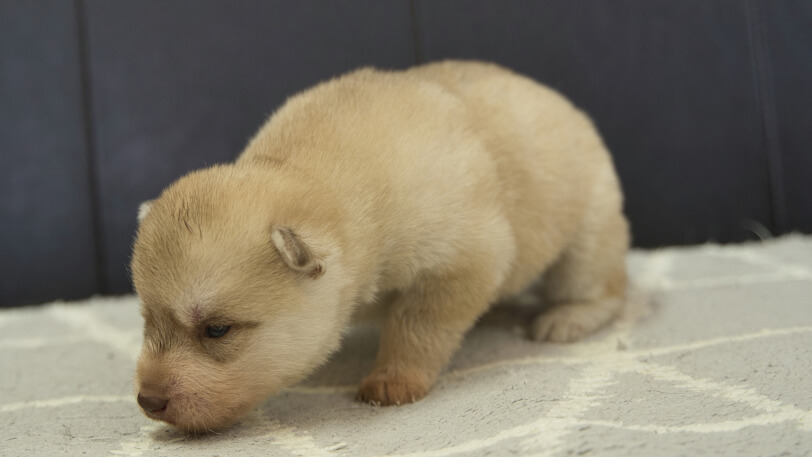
[384, 389]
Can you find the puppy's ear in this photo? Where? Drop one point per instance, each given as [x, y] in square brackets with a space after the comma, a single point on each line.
[296, 254]
[143, 210]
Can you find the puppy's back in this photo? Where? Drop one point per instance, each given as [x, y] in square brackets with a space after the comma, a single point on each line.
[553, 166]
[449, 153]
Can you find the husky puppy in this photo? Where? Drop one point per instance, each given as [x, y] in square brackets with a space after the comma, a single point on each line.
[430, 193]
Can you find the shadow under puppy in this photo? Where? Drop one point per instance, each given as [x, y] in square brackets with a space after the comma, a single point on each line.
[432, 192]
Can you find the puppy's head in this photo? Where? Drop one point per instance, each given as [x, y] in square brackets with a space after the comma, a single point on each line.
[240, 297]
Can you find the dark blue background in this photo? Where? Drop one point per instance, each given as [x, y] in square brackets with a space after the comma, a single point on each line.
[705, 104]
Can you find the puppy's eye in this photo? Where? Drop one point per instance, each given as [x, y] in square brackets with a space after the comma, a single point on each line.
[216, 331]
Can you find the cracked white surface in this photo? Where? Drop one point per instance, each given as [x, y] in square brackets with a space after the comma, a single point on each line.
[720, 366]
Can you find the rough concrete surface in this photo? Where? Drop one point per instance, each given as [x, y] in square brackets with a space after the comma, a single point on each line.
[719, 365]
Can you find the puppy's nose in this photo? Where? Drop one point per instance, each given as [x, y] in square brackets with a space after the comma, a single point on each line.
[152, 404]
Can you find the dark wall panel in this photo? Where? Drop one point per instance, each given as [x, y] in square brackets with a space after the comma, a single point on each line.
[787, 31]
[669, 84]
[181, 85]
[46, 230]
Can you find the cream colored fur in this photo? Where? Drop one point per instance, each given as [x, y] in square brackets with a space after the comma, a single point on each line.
[430, 193]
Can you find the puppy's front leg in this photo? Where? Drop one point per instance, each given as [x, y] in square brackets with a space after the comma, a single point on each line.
[424, 327]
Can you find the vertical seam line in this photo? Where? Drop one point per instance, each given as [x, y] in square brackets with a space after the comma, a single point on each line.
[91, 147]
[417, 33]
[765, 102]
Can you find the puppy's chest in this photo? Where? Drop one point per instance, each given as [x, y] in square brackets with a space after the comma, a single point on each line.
[389, 279]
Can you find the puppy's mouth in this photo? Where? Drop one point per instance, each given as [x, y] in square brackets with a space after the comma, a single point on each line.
[176, 412]
[193, 412]
[156, 414]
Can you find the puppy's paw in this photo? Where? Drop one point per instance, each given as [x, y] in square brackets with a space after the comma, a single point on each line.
[385, 389]
[572, 321]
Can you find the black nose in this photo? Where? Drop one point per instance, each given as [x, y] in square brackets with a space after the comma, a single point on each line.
[152, 404]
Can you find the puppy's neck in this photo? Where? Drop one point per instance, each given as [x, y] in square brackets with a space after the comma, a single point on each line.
[323, 216]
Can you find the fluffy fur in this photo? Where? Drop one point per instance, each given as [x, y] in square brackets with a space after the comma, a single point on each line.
[430, 193]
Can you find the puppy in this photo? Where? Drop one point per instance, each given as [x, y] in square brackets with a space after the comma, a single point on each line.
[430, 193]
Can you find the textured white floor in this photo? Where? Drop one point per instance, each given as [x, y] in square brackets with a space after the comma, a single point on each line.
[720, 365]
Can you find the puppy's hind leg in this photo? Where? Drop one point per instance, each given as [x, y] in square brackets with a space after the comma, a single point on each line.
[586, 287]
